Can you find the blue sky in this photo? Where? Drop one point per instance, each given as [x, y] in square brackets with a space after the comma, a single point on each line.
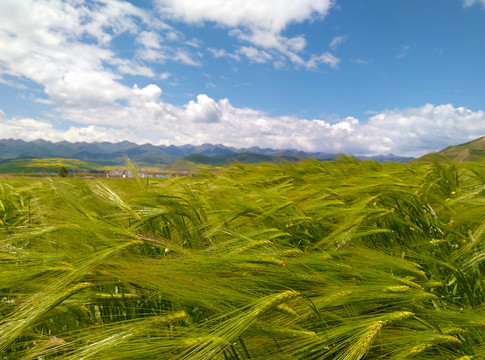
[362, 77]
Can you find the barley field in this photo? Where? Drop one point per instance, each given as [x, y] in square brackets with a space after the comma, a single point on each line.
[312, 260]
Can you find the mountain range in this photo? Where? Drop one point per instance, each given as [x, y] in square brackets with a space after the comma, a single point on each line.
[112, 154]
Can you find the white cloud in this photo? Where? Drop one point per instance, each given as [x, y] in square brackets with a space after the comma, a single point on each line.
[153, 55]
[164, 75]
[151, 92]
[149, 39]
[336, 41]
[45, 41]
[296, 43]
[272, 16]
[45, 44]
[195, 43]
[259, 22]
[95, 133]
[414, 131]
[30, 129]
[218, 53]
[174, 36]
[155, 48]
[326, 58]
[166, 53]
[269, 40]
[468, 3]
[186, 58]
[285, 48]
[131, 67]
[255, 55]
[205, 110]
[411, 131]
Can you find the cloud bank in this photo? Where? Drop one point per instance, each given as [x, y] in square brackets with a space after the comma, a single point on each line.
[148, 118]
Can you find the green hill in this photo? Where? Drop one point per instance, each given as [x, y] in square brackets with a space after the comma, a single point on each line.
[191, 162]
[470, 151]
[35, 166]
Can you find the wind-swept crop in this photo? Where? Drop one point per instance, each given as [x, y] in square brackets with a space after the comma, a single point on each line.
[310, 260]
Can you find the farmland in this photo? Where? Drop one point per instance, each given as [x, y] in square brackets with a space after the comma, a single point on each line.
[32, 166]
[345, 259]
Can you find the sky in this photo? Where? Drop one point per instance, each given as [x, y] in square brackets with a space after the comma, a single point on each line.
[363, 77]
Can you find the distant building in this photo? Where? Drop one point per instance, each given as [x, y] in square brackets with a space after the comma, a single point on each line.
[119, 174]
[146, 173]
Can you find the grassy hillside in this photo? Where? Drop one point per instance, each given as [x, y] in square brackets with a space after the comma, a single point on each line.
[191, 162]
[309, 260]
[34, 166]
[470, 151]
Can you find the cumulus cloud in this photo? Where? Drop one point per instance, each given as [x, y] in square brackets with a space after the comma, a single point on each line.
[205, 110]
[414, 131]
[410, 131]
[151, 92]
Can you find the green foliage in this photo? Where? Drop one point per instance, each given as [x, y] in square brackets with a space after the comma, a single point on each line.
[338, 260]
[62, 172]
